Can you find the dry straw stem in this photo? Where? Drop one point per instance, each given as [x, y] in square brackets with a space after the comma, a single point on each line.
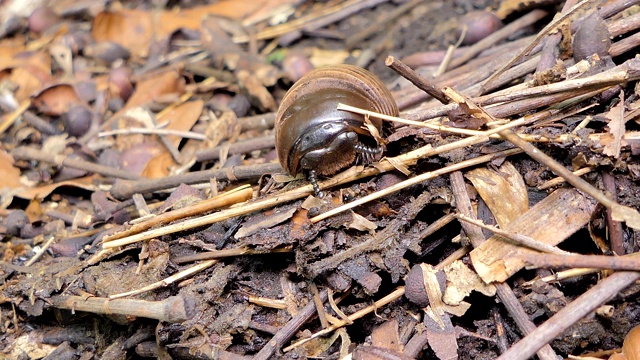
[561, 275]
[396, 119]
[168, 281]
[396, 294]
[40, 252]
[557, 181]
[267, 302]
[234, 196]
[13, 116]
[146, 131]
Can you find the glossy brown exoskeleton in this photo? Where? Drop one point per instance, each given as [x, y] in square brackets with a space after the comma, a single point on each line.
[313, 137]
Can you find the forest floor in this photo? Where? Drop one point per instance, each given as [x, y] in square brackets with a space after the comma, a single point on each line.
[144, 211]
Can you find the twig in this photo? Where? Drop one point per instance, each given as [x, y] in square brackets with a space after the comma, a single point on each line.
[547, 29]
[287, 331]
[174, 309]
[27, 153]
[125, 189]
[240, 147]
[39, 123]
[631, 263]
[582, 306]
[415, 79]
[615, 227]
[184, 134]
[629, 43]
[528, 19]
[257, 122]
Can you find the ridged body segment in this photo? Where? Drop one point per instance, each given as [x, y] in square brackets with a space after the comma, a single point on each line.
[311, 134]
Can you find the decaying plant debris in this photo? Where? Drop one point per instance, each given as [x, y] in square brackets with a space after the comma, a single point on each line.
[144, 213]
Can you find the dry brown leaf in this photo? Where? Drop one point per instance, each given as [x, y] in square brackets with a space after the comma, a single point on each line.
[26, 81]
[550, 221]
[136, 158]
[160, 165]
[318, 346]
[40, 192]
[264, 221]
[629, 215]
[299, 224]
[10, 178]
[441, 335]
[8, 53]
[40, 61]
[461, 280]
[28, 71]
[136, 29]
[321, 57]
[361, 223]
[34, 210]
[504, 191]
[387, 336]
[151, 88]
[133, 29]
[57, 99]
[616, 128]
[182, 118]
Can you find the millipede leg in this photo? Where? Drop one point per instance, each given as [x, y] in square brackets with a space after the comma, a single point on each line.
[313, 179]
